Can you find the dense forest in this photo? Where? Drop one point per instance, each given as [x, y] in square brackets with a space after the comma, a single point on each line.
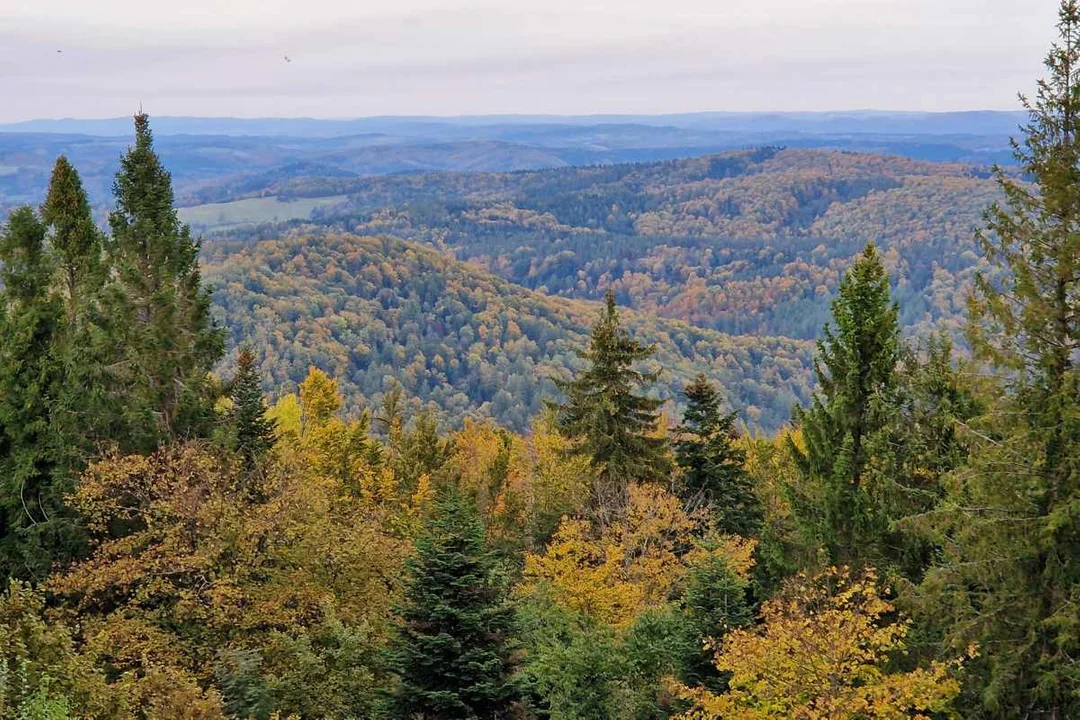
[744, 242]
[177, 545]
[380, 314]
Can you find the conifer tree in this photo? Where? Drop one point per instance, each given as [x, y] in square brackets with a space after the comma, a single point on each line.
[1013, 521]
[712, 466]
[168, 337]
[254, 431]
[75, 240]
[855, 366]
[608, 417]
[30, 319]
[83, 412]
[452, 656]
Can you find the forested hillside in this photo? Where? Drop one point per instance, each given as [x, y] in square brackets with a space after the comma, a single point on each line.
[746, 242]
[381, 313]
[318, 475]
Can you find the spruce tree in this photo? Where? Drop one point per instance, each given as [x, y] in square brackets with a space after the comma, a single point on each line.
[452, 655]
[169, 340]
[253, 430]
[30, 319]
[1012, 582]
[855, 367]
[608, 417]
[713, 471]
[75, 240]
[83, 412]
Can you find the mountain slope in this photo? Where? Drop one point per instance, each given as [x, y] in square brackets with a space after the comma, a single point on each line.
[746, 242]
[373, 312]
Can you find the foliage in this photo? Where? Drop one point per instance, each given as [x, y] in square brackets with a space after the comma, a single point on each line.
[748, 242]
[713, 465]
[608, 418]
[856, 368]
[452, 655]
[253, 431]
[378, 314]
[1009, 575]
[822, 651]
[634, 564]
[161, 311]
[42, 675]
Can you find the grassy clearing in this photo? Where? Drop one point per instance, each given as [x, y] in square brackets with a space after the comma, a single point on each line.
[252, 211]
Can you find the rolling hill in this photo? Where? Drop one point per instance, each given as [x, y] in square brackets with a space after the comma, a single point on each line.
[375, 312]
[750, 242]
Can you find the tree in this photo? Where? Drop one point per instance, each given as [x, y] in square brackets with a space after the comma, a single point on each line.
[606, 415]
[713, 467]
[855, 367]
[168, 338]
[41, 672]
[1012, 521]
[714, 604]
[822, 653]
[31, 524]
[254, 431]
[76, 242]
[452, 656]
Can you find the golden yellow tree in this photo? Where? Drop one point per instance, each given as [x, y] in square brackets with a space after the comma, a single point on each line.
[822, 653]
[632, 565]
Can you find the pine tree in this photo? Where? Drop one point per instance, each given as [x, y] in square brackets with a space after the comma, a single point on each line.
[30, 319]
[169, 340]
[254, 431]
[452, 655]
[608, 418]
[1013, 521]
[855, 368]
[713, 471]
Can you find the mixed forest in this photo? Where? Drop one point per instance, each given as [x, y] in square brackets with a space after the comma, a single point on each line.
[483, 500]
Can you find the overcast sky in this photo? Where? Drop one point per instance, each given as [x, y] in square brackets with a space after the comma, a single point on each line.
[354, 58]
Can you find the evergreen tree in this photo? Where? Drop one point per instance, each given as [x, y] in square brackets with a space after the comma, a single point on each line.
[713, 471]
[83, 413]
[168, 337]
[452, 656]
[855, 366]
[254, 431]
[30, 319]
[75, 240]
[1012, 581]
[608, 418]
[714, 604]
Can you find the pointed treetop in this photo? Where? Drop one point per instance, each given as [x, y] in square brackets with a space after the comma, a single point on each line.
[144, 138]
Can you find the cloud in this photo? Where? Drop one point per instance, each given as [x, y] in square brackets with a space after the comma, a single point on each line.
[477, 56]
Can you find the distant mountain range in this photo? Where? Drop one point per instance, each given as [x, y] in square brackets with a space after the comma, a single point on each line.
[204, 153]
[978, 122]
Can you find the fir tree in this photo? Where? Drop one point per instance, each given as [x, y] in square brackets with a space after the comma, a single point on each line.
[855, 366]
[168, 337]
[715, 603]
[713, 471]
[254, 431]
[31, 526]
[608, 417]
[1012, 581]
[452, 656]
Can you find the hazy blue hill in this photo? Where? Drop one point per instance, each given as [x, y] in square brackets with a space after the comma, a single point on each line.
[247, 155]
[489, 126]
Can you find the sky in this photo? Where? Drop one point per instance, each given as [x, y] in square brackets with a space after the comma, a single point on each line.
[355, 58]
